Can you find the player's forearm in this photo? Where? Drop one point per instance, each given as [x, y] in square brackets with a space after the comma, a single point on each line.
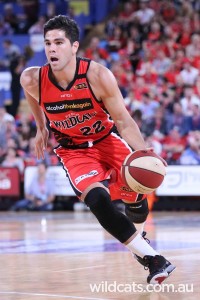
[37, 112]
[131, 134]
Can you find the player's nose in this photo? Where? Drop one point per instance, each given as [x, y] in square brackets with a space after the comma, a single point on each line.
[52, 48]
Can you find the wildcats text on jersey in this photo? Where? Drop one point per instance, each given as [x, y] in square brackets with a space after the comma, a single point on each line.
[64, 106]
[72, 121]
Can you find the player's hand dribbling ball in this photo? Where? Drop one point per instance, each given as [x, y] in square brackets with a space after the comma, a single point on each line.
[143, 171]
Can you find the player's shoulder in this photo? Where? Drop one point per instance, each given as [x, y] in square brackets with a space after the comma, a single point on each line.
[98, 72]
[96, 68]
[30, 76]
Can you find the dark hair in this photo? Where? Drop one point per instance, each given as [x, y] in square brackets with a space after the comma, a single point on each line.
[64, 23]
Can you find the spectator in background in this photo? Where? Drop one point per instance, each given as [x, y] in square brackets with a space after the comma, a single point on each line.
[194, 120]
[189, 74]
[193, 50]
[188, 100]
[26, 132]
[166, 100]
[157, 123]
[131, 103]
[137, 116]
[94, 47]
[31, 12]
[191, 155]
[179, 59]
[173, 146]
[185, 8]
[155, 32]
[10, 131]
[11, 51]
[177, 119]
[197, 87]
[139, 87]
[110, 25]
[5, 27]
[7, 128]
[13, 160]
[145, 14]
[5, 117]
[147, 71]
[12, 143]
[196, 17]
[10, 17]
[17, 65]
[185, 35]
[171, 75]
[161, 63]
[148, 106]
[168, 11]
[118, 40]
[37, 28]
[39, 195]
[126, 13]
[134, 47]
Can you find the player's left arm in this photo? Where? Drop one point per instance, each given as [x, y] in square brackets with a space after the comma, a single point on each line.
[111, 96]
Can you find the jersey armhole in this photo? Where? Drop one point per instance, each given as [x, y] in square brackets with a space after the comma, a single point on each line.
[90, 88]
[40, 84]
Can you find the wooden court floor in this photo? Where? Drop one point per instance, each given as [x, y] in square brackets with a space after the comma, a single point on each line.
[60, 256]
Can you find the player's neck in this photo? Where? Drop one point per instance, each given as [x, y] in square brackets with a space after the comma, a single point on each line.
[65, 76]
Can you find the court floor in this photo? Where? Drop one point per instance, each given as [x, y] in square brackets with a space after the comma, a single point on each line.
[65, 255]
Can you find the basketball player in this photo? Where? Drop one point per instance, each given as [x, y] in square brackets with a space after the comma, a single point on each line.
[85, 110]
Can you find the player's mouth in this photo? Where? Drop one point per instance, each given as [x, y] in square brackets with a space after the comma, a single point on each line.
[53, 59]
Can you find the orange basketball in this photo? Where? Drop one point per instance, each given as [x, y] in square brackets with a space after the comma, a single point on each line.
[143, 171]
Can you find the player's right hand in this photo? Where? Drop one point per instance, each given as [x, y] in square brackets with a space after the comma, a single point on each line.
[41, 139]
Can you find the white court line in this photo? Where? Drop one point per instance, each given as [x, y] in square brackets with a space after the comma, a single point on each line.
[184, 256]
[178, 250]
[52, 295]
[92, 267]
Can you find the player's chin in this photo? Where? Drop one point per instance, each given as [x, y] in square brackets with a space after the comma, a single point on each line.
[54, 64]
[55, 67]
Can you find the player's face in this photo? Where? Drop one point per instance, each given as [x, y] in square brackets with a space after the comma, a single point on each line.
[58, 49]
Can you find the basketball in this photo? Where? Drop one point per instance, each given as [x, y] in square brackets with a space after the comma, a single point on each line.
[143, 171]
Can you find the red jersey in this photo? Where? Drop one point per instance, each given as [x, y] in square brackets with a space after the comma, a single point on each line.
[77, 118]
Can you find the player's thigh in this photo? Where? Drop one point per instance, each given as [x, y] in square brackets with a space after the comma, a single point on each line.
[82, 170]
[114, 151]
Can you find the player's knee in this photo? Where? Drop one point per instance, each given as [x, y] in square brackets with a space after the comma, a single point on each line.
[99, 202]
[116, 223]
[97, 196]
[137, 212]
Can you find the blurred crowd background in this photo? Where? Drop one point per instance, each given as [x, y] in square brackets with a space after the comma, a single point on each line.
[153, 49]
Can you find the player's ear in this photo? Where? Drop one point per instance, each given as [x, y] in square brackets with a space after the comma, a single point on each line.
[75, 47]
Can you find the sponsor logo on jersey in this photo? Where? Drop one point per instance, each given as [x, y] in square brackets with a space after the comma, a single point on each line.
[126, 189]
[90, 174]
[64, 106]
[80, 86]
[66, 96]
